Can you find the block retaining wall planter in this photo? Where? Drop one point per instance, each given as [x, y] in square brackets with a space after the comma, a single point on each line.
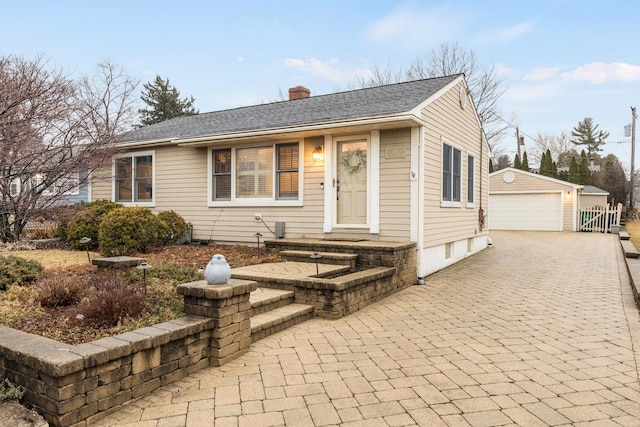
[75, 385]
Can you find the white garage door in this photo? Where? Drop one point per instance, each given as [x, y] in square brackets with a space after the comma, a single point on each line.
[536, 212]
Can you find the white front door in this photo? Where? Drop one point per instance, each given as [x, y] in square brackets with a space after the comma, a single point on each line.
[351, 183]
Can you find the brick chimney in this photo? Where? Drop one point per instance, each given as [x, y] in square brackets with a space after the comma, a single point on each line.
[299, 92]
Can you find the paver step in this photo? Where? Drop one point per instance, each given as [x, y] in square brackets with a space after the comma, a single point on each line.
[267, 299]
[629, 250]
[325, 257]
[624, 235]
[265, 324]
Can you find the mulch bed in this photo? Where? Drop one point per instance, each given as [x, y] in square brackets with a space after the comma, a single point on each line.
[59, 323]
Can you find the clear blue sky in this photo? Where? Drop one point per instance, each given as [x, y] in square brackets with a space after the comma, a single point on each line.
[563, 60]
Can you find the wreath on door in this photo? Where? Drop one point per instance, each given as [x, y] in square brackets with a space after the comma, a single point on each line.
[354, 160]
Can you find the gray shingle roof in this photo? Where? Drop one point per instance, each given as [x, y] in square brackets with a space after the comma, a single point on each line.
[591, 189]
[356, 104]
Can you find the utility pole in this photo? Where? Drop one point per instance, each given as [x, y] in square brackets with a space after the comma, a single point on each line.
[518, 141]
[633, 156]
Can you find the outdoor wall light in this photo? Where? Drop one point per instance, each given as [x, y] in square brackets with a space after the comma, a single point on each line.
[317, 153]
[567, 194]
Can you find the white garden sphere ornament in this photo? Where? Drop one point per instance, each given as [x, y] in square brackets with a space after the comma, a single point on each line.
[218, 271]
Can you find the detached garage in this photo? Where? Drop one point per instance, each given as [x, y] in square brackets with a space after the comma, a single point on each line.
[520, 200]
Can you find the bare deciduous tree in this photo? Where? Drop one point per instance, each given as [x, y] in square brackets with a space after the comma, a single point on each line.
[556, 144]
[485, 84]
[54, 132]
[378, 76]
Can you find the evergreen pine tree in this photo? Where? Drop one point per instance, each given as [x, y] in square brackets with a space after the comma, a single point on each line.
[525, 162]
[546, 164]
[516, 162]
[574, 171]
[586, 133]
[163, 103]
[543, 164]
[554, 169]
[585, 173]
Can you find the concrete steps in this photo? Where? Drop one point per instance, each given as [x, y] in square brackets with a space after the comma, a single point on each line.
[273, 310]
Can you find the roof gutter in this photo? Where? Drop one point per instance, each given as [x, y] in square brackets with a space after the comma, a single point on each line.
[207, 140]
[146, 143]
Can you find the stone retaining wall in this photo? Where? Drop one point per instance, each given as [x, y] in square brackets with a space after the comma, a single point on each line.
[74, 385]
[400, 255]
[387, 268]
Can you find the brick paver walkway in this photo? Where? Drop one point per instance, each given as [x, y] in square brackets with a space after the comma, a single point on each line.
[538, 330]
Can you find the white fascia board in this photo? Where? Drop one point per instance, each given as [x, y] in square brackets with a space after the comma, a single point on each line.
[417, 110]
[535, 175]
[146, 143]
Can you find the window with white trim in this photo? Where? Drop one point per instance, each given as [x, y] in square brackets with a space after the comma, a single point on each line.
[261, 173]
[470, 179]
[134, 178]
[451, 167]
[222, 174]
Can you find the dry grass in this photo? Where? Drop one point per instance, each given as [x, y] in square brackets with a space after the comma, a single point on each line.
[633, 228]
[55, 259]
[20, 306]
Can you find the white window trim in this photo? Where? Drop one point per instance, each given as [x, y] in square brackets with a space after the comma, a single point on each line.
[249, 201]
[149, 204]
[471, 204]
[446, 203]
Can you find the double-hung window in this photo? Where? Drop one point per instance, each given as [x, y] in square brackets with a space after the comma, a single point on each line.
[259, 174]
[451, 167]
[133, 181]
[470, 180]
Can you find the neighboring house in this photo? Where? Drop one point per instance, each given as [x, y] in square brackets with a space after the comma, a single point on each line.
[405, 162]
[520, 200]
[72, 189]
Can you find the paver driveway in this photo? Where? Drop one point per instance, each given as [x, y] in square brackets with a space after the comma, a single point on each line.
[538, 330]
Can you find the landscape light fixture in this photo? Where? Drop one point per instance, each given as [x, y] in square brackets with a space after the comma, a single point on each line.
[317, 153]
[258, 236]
[144, 266]
[316, 256]
[85, 241]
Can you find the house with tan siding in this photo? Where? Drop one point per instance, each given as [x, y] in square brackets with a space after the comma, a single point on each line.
[406, 162]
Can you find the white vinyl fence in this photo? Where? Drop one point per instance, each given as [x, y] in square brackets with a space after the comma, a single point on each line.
[599, 219]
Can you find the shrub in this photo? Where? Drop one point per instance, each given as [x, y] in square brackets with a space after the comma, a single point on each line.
[125, 231]
[166, 271]
[176, 226]
[64, 214]
[112, 300]
[10, 391]
[87, 223]
[17, 271]
[60, 290]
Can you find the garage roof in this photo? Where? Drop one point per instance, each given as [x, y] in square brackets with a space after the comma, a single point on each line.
[537, 176]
